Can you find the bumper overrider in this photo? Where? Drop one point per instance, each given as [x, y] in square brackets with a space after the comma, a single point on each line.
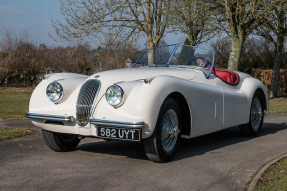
[106, 128]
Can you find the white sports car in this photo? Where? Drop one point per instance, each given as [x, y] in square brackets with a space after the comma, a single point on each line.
[175, 92]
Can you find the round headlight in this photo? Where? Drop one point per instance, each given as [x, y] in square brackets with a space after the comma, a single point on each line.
[54, 92]
[114, 95]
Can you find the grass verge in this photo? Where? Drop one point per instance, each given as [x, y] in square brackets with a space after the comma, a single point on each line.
[11, 133]
[274, 178]
[14, 104]
[278, 105]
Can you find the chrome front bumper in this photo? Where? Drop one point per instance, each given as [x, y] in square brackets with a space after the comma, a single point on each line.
[49, 117]
[105, 123]
[108, 123]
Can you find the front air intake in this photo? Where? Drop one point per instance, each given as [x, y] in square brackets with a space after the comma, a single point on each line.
[86, 100]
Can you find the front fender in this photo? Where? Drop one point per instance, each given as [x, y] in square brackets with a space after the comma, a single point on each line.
[40, 103]
[142, 101]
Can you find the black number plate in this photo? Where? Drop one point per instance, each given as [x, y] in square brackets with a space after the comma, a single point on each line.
[119, 133]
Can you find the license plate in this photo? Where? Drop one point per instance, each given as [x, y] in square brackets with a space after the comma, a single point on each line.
[119, 133]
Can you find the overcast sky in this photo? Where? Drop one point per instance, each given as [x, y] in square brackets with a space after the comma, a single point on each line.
[35, 16]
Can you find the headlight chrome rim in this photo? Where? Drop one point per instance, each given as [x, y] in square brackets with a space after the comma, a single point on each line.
[61, 90]
[122, 96]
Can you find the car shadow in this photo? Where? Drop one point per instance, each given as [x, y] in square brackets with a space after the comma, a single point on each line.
[129, 149]
[188, 147]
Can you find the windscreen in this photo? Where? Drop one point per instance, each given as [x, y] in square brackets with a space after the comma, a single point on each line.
[192, 56]
[156, 56]
[186, 55]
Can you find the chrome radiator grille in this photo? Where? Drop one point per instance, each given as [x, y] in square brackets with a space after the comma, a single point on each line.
[86, 100]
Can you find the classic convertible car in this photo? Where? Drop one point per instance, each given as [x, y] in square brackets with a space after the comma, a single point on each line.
[172, 92]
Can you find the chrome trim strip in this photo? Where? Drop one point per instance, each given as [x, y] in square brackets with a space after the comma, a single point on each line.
[49, 117]
[117, 123]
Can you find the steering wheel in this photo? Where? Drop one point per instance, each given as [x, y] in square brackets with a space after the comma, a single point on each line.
[207, 62]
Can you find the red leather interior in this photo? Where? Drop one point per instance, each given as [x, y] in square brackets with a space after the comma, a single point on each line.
[227, 76]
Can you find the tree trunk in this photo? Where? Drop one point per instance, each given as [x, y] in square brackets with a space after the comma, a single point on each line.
[235, 53]
[276, 67]
[192, 41]
[151, 53]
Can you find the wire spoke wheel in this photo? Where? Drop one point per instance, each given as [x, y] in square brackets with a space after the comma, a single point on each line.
[256, 113]
[169, 130]
[162, 145]
[254, 126]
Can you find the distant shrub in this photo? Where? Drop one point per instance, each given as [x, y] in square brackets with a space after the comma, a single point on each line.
[22, 62]
[265, 76]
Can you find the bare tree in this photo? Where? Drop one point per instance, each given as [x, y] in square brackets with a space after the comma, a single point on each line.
[241, 18]
[113, 19]
[257, 52]
[115, 54]
[193, 18]
[275, 29]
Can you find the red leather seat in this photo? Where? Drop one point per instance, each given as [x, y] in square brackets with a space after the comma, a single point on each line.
[227, 76]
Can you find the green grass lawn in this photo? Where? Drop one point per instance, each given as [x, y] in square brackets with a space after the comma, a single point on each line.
[13, 104]
[274, 178]
[11, 133]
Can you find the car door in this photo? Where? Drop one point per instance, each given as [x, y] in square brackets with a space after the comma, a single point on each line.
[206, 104]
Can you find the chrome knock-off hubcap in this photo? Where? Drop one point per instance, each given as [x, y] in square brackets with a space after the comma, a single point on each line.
[169, 130]
[175, 131]
[256, 113]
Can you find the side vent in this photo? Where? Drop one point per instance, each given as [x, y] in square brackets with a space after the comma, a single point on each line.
[86, 100]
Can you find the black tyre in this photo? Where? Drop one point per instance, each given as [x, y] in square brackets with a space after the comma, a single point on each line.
[162, 145]
[60, 142]
[253, 128]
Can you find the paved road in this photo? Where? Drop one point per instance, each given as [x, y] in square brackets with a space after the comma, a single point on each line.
[219, 161]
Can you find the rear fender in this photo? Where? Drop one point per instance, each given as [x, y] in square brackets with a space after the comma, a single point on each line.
[250, 86]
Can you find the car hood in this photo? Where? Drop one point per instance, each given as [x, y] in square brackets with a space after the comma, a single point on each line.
[131, 74]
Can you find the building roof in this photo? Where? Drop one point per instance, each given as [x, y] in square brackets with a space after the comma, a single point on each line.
[133, 60]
